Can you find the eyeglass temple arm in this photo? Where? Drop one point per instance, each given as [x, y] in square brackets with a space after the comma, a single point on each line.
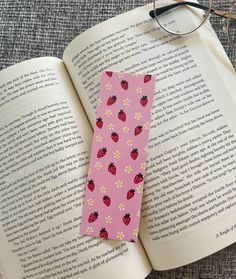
[161, 10]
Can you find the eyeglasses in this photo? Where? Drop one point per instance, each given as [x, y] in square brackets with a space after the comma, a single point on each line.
[183, 17]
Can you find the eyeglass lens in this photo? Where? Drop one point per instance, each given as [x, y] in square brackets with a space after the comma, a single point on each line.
[180, 18]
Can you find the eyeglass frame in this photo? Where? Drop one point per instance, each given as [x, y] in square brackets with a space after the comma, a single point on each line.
[209, 10]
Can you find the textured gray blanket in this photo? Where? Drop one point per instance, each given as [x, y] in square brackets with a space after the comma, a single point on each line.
[44, 27]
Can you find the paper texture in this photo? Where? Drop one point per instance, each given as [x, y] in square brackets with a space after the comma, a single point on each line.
[45, 146]
[193, 114]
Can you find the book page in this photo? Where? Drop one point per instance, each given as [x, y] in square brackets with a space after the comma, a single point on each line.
[190, 194]
[45, 140]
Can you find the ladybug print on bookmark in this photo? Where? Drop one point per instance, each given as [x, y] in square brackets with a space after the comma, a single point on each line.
[115, 181]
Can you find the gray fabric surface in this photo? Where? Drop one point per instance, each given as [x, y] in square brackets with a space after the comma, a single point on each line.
[44, 27]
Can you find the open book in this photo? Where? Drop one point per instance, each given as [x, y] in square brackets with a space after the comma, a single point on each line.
[47, 115]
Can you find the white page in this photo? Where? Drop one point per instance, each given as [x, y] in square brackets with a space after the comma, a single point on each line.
[132, 43]
[45, 141]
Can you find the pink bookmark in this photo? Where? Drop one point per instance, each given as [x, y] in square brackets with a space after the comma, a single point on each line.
[117, 164]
